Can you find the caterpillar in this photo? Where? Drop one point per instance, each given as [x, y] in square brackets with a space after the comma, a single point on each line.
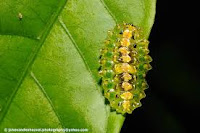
[124, 62]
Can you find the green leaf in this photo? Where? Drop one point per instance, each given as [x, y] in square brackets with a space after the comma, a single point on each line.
[49, 53]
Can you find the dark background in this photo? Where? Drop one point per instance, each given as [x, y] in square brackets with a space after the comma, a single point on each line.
[173, 98]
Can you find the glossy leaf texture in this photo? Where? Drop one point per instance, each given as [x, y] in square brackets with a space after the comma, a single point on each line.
[49, 52]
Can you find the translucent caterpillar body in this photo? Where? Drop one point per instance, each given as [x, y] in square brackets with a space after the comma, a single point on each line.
[124, 63]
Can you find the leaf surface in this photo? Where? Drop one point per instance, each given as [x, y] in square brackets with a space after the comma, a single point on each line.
[49, 61]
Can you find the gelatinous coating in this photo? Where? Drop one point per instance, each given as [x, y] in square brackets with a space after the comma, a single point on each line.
[124, 64]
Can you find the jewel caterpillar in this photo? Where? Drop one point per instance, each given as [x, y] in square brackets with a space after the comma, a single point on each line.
[124, 63]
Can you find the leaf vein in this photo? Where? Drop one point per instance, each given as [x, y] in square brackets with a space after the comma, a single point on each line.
[109, 11]
[47, 97]
[79, 51]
